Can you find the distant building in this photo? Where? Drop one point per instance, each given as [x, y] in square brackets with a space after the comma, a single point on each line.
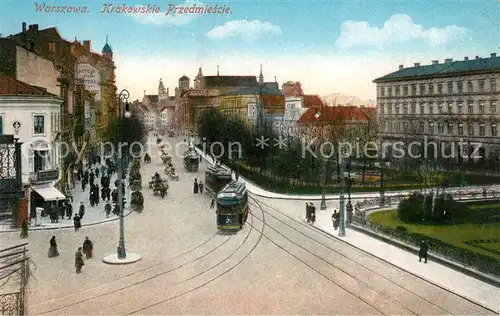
[445, 102]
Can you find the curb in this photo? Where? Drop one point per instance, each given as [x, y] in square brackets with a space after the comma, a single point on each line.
[458, 268]
[455, 266]
[68, 226]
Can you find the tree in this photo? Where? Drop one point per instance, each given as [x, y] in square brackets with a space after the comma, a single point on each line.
[127, 131]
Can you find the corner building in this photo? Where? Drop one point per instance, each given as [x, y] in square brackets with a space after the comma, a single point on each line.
[446, 102]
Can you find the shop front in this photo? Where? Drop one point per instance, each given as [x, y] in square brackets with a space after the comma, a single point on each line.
[44, 196]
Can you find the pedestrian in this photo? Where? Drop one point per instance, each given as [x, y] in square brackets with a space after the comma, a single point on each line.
[313, 217]
[335, 219]
[83, 185]
[69, 210]
[195, 186]
[201, 158]
[81, 211]
[53, 248]
[96, 171]
[91, 178]
[88, 248]
[212, 204]
[77, 222]
[308, 212]
[107, 209]
[424, 248]
[200, 187]
[79, 260]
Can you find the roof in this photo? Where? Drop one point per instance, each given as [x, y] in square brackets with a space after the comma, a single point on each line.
[271, 88]
[334, 113]
[274, 102]
[232, 189]
[447, 68]
[292, 89]
[312, 100]
[267, 88]
[184, 78]
[11, 86]
[153, 98]
[229, 81]
[106, 49]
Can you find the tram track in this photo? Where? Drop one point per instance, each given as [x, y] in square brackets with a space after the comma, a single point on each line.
[356, 276]
[132, 274]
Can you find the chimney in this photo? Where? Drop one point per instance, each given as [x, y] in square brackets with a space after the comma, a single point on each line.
[401, 67]
[448, 60]
[416, 64]
[435, 62]
[466, 58]
[35, 27]
[87, 45]
[493, 55]
[24, 27]
[477, 57]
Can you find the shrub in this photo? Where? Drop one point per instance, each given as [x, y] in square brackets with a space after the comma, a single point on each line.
[418, 208]
[401, 230]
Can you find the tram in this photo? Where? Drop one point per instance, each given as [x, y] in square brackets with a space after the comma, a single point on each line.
[232, 207]
[191, 160]
[216, 178]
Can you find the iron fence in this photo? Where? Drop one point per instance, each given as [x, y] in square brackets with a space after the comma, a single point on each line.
[14, 268]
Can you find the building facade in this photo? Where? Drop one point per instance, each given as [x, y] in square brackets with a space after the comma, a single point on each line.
[450, 103]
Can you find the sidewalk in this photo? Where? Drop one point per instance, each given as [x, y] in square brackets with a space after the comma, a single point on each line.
[93, 215]
[256, 190]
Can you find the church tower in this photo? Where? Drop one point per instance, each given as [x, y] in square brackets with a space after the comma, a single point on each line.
[162, 92]
[198, 81]
[261, 76]
[107, 51]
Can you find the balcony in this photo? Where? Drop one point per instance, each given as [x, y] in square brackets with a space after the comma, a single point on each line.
[44, 176]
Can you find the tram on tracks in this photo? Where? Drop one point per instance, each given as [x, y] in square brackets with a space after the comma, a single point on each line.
[216, 178]
[232, 207]
[191, 160]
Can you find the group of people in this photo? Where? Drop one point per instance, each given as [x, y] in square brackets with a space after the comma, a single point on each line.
[87, 249]
[197, 186]
[310, 213]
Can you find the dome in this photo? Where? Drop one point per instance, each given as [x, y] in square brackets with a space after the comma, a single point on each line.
[184, 78]
[107, 49]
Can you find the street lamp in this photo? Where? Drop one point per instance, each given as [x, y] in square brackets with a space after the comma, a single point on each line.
[341, 197]
[322, 207]
[123, 96]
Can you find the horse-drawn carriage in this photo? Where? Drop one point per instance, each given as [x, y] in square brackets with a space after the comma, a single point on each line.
[166, 158]
[171, 173]
[159, 186]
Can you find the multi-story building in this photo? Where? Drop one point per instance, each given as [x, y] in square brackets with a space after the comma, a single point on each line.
[446, 102]
[31, 115]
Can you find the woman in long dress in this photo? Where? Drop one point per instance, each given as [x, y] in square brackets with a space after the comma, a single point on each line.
[53, 248]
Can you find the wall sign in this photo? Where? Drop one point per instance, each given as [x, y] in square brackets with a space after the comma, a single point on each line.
[90, 77]
[16, 125]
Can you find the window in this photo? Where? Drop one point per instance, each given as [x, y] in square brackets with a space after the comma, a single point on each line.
[413, 108]
[460, 87]
[382, 109]
[389, 91]
[441, 128]
[422, 89]
[460, 129]
[421, 127]
[460, 108]
[431, 88]
[470, 129]
[431, 108]
[481, 108]
[422, 108]
[397, 109]
[481, 86]
[413, 89]
[481, 129]
[450, 107]
[441, 108]
[440, 88]
[405, 90]
[39, 124]
[493, 108]
[494, 130]
[470, 88]
[450, 87]
[451, 128]
[431, 128]
[493, 85]
[382, 91]
[39, 160]
[405, 108]
[397, 91]
[471, 108]
[405, 126]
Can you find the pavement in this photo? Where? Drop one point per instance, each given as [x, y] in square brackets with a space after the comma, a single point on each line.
[443, 276]
[93, 215]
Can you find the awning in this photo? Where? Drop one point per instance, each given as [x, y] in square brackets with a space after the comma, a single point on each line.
[49, 193]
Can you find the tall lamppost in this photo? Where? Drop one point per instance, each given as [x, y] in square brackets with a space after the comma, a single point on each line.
[341, 197]
[319, 115]
[123, 108]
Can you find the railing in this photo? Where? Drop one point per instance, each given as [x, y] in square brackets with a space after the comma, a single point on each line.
[14, 267]
[438, 248]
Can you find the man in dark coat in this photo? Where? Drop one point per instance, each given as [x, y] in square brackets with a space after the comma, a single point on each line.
[88, 248]
[77, 222]
[79, 260]
[195, 186]
[69, 210]
[200, 187]
[114, 196]
[84, 184]
[91, 179]
[424, 248]
[81, 211]
[107, 209]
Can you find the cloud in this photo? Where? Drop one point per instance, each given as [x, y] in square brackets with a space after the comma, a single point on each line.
[249, 31]
[399, 28]
[172, 18]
